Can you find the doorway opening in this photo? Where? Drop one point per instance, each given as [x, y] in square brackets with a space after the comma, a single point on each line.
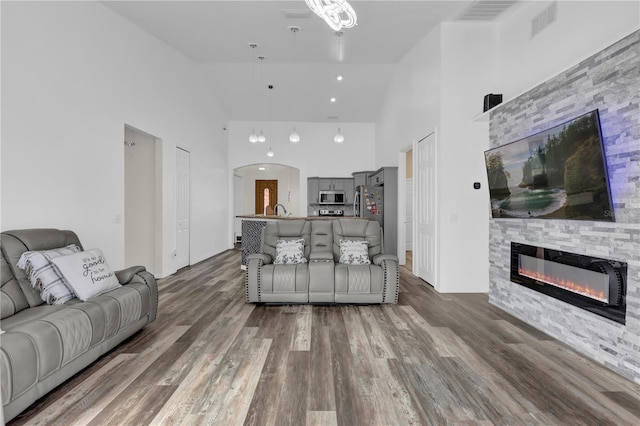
[142, 208]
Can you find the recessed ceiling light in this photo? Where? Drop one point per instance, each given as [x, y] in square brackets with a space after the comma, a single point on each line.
[333, 99]
[262, 168]
[339, 77]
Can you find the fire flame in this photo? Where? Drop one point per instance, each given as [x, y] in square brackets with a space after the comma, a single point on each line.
[565, 284]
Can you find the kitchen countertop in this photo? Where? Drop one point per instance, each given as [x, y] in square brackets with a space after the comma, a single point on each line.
[274, 217]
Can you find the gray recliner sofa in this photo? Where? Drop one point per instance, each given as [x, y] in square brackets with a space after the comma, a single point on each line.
[323, 279]
[44, 345]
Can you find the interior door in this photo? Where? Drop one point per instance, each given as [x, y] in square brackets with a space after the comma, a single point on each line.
[182, 207]
[266, 195]
[425, 253]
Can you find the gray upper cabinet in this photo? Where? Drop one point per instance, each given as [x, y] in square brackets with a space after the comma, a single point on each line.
[331, 184]
[325, 184]
[349, 190]
[360, 178]
[313, 186]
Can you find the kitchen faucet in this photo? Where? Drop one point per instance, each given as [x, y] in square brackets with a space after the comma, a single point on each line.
[275, 209]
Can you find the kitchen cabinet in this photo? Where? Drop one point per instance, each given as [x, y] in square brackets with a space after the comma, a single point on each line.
[349, 190]
[331, 184]
[360, 178]
[377, 179]
[313, 186]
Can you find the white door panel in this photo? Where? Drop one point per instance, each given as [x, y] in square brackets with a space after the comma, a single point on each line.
[182, 208]
[425, 253]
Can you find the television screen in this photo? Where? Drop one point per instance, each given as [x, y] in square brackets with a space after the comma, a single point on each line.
[559, 173]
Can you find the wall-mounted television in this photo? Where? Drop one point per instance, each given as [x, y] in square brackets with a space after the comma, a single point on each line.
[559, 173]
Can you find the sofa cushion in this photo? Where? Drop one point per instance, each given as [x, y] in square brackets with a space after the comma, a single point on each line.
[289, 252]
[285, 278]
[87, 273]
[354, 252]
[357, 229]
[285, 230]
[45, 276]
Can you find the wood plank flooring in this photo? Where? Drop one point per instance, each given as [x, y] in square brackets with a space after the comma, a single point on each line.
[433, 359]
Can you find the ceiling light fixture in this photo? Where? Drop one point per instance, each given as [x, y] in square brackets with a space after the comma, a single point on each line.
[339, 137]
[253, 138]
[294, 137]
[333, 99]
[337, 14]
[339, 77]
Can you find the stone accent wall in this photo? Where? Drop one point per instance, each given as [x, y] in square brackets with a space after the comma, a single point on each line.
[610, 82]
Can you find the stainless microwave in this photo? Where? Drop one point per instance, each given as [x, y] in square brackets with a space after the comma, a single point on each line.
[331, 197]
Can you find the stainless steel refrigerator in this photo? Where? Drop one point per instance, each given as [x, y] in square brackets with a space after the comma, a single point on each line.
[379, 201]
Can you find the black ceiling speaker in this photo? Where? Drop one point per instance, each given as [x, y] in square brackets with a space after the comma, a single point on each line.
[491, 100]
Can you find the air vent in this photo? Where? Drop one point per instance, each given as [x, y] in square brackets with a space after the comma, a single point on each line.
[332, 117]
[543, 19]
[296, 13]
[485, 10]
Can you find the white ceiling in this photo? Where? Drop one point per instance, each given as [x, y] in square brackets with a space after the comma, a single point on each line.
[216, 35]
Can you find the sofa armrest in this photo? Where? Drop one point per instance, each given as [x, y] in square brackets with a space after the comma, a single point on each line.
[140, 275]
[391, 286]
[379, 258]
[126, 275]
[321, 256]
[265, 258]
[252, 275]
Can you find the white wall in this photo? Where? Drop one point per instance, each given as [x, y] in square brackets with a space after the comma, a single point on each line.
[73, 73]
[581, 29]
[315, 155]
[440, 84]
[468, 69]
[412, 107]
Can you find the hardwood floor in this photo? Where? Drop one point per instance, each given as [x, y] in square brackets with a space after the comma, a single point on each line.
[211, 358]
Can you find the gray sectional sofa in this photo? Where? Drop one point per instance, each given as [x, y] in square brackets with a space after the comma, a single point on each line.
[44, 345]
[323, 279]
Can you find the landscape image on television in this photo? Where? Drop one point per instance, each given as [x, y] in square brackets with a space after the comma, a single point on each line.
[558, 173]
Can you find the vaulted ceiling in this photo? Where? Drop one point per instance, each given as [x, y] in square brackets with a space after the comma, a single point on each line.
[216, 35]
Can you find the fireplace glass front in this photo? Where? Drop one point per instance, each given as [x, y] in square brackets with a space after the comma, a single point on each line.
[594, 284]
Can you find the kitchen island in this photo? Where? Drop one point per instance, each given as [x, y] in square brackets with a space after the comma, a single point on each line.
[252, 225]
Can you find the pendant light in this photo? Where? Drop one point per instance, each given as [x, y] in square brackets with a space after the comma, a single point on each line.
[294, 137]
[339, 137]
[270, 153]
[253, 138]
[261, 137]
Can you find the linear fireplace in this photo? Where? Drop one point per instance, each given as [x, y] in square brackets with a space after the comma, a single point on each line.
[594, 284]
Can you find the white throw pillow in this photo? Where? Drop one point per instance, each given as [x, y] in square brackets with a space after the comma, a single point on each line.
[354, 252]
[45, 276]
[88, 273]
[289, 252]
